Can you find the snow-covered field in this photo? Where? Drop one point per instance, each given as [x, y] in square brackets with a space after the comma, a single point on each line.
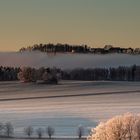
[67, 105]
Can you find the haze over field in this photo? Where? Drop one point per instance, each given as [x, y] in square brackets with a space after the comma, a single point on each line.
[67, 61]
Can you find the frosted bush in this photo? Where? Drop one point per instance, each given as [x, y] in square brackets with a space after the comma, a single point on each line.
[123, 127]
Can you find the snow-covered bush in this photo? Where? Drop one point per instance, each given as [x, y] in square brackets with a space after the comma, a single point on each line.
[123, 127]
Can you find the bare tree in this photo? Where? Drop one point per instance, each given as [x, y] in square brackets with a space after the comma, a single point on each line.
[80, 131]
[29, 131]
[50, 131]
[9, 130]
[40, 132]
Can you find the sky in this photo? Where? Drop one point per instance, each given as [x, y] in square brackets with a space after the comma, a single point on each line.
[92, 22]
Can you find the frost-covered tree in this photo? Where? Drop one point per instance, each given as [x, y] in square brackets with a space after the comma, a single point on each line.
[27, 74]
[8, 129]
[50, 131]
[46, 75]
[40, 73]
[1, 129]
[28, 131]
[80, 131]
[123, 127]
[50, 76]
[40, 132]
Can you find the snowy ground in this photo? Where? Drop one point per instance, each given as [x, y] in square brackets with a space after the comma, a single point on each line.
[67, 105]
[43, 138]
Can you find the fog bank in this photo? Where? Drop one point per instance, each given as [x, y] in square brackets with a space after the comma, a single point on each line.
[67, 61]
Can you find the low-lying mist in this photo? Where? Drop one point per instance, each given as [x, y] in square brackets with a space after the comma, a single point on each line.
[66, 61]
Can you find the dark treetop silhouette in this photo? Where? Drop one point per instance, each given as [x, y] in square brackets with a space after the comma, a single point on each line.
[66, 48]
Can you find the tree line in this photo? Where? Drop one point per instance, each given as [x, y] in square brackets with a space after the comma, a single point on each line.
[29, 131]
[66, 48]
[53, 75]
[53, 48]
[7, 131]
[9, 73]
[121, 73]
